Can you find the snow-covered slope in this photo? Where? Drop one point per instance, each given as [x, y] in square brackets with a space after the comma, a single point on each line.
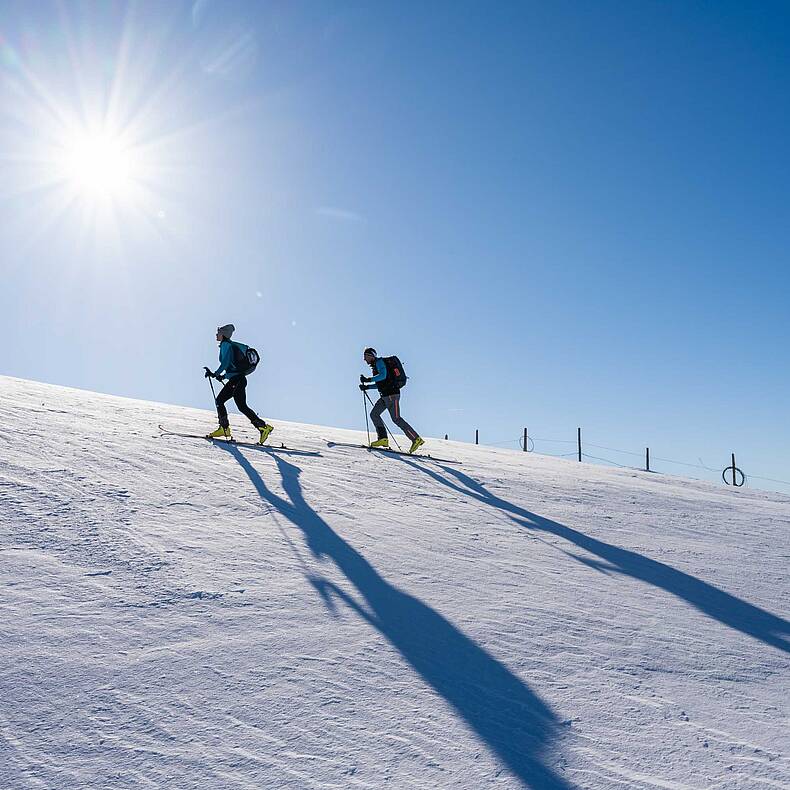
[176, 614]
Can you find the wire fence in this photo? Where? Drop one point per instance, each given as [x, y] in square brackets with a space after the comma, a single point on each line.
[545, 446]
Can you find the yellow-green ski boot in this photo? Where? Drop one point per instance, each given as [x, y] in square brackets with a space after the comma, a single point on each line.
[418, 442]
[220, 433]
[381, 443]
[265, 431]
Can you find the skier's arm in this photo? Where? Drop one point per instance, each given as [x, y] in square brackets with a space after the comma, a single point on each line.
[224, 359]
[382, 371]
[380, 375]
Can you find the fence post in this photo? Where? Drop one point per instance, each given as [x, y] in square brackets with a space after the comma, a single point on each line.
[579, 439]
[525, 440]
[647, 459]
[735, 472]
[477, 436]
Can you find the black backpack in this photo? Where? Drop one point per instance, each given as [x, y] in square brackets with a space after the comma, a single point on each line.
[395, 372]
[245, 358]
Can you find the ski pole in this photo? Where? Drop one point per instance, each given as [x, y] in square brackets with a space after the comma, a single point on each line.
[385, 426]
[367, 424]
[211, 384]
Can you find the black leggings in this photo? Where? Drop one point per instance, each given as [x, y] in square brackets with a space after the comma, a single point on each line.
[236, 388]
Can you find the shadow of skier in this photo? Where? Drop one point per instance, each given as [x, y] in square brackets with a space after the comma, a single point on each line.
[511, 720]
[724, 607]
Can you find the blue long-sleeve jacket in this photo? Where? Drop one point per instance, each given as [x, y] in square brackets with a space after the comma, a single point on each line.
[226, 365]
[380, 375]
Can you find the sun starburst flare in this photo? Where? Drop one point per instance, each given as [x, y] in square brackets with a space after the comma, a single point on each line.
[93, 145]
[98, 165]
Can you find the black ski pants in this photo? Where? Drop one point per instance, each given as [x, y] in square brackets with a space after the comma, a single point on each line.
[236, 388]
[392, 404]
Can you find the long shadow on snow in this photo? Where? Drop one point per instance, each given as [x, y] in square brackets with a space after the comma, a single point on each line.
[726, 608]
[510, 719]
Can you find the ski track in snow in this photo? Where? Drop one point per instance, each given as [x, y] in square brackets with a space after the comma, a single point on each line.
[180, 614]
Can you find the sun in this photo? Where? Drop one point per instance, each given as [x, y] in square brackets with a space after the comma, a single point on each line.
[98, 133]
[98, 165]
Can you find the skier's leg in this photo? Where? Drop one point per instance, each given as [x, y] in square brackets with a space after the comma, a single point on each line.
[225, 394]
[375, 416]
[240, 398]
[393, 406]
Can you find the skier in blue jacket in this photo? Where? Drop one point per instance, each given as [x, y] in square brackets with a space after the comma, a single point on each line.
[235, 387]
[384, 381]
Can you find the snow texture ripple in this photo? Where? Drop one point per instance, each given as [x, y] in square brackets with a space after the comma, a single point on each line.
[181, 614]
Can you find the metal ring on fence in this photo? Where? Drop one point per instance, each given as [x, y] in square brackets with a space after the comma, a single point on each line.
[735, 472]
[530, 444]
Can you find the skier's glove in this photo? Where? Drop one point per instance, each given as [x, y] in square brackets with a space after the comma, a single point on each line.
[208, 373]
[362, 387]
[364, 379]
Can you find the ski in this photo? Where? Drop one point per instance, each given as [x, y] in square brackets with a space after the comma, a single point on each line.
[253, 445]
[257, 446]
[393, 452]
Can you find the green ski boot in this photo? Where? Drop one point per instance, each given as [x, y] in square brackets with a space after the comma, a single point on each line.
[265, 431]
[418, 442]
[220, 433]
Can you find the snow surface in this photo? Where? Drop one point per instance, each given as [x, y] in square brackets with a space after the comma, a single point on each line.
[176, 614]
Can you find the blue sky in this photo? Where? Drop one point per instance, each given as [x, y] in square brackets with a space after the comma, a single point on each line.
[557, 214]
